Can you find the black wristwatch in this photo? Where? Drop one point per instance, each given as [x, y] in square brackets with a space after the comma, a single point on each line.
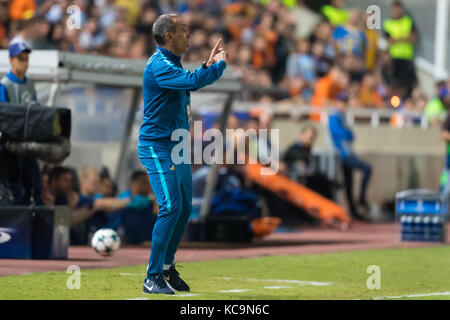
[204, 65]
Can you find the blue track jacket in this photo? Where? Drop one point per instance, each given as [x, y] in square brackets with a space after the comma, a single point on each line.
[166, 94]
[341, 134]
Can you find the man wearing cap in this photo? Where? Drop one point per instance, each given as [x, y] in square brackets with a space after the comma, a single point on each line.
[23, 178]
[15, 87]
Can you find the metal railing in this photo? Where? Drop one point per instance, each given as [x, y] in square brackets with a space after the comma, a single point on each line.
[353, 115]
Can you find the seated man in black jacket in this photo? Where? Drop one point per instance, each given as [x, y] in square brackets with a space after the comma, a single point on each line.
[297, 164]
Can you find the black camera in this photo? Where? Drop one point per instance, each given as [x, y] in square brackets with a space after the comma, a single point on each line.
[31, 130]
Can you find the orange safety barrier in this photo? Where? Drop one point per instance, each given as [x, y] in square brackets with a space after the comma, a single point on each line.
[315, 204]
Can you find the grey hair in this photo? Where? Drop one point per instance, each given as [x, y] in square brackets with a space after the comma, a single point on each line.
[164, 23]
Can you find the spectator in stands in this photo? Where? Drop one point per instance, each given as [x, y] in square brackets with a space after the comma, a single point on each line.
[445, 136]
[59, 190]
[386, 71]
[301, 64]
[327, 89]
[285, 30]
[82, 208]
[305, 20]
[297, 157]
[342, 137]
[372, 36]
[56, 11]
[46, 36]
[89, 182]
[354, 66]
[349, 38]
[297, 164]
[135, 223]
[21, 9]
[23, 171]
[27, 31]
[419, 99]
[436, 108]
[139, 185]
[369, 95]
[90, 189]
[404, 114]
[108, 188]
[401, 33]
[92, 38]
[323, 63]
[335, 12]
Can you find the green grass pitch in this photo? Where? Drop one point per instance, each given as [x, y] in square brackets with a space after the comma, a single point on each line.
[335, 275]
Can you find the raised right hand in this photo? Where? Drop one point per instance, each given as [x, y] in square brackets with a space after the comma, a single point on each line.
[213, 53]
[222, 55]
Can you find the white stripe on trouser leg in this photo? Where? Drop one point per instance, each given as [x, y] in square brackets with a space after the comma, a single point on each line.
[162, 178]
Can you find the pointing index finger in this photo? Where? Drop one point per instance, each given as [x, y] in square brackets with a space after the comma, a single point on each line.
[217, 44]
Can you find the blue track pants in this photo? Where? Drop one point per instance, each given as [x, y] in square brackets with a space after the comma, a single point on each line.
[172, 186]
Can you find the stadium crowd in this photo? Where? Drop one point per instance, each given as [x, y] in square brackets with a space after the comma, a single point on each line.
[284, 49]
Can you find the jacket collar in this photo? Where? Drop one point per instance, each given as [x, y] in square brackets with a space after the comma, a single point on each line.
[15, 79]
[169, 54]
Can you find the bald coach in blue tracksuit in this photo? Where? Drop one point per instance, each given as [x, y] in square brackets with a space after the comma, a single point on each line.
[166, 94]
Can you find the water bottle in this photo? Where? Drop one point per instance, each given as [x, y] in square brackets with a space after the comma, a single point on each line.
[418, 229]
[403, 227]
[427, 228]
[436, 229]
[408, 228]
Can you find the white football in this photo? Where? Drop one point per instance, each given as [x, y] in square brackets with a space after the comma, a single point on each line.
[105, 242]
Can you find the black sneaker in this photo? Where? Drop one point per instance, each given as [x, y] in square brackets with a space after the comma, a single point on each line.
[156, 285]
[174, 281]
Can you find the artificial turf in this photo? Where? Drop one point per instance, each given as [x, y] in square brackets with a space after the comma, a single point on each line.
[405, 271]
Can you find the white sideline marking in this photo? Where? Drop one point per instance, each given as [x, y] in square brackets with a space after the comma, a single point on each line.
[299, 282]
[446, 293]
[234, 290]
[131, 274]
[277, 287]
[170, 295]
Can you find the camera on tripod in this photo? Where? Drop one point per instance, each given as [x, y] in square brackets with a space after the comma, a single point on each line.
[32, 130]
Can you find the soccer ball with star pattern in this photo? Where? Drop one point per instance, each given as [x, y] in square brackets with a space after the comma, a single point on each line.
[105, 242]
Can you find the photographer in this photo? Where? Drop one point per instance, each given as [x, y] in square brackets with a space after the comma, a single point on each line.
[22, 177]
